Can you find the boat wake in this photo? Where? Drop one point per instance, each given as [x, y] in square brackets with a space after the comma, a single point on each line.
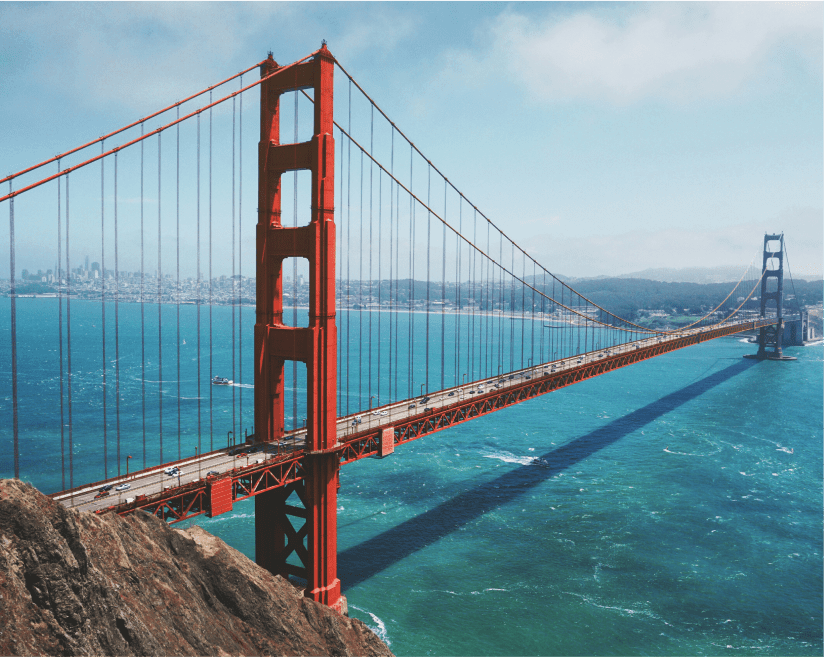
[509, 457]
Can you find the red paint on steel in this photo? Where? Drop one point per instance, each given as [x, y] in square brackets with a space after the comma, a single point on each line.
[387, 444]
[316, 346]
[220, 496]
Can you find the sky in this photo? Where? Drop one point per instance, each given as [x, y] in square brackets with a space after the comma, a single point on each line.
[606, 138]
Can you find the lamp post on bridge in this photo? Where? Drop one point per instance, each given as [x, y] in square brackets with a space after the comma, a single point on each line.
[127, 465]
[198, 464]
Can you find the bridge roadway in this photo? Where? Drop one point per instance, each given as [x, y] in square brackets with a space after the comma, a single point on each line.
[359, 434]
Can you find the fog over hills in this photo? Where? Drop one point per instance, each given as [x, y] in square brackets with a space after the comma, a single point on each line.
[701, 275]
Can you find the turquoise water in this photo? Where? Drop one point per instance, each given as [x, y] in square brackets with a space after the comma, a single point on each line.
[677, 510]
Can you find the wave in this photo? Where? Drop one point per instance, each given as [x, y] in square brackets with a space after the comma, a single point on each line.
[669, 451]
[224, 517]
[623, 611]
[379, 628]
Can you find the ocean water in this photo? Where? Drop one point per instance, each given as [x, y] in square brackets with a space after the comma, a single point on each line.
[675, 509]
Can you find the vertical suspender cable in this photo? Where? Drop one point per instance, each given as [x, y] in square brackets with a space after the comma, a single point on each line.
[198, 284]
[428, 257]
[487, 309]
[211, 342]
[360, 290]
[68, 342]
[578, 327]
[443, 295]
[392, 297]
[532, 315]
[103, 309]
[380, 280]
[458, 304]
[501, 316]
[142, 313]
[472, 261]
[234, 143]
[240, 256]
[116, 323]
[397, 282]
[523, 305]
[512, 314]
[552, 354]
[339, 272]
[58, 278]
[159, 302]
[177, 277]
[543, 309]
[371, 247]
[348, 242]
[411, 275]
[13, 295]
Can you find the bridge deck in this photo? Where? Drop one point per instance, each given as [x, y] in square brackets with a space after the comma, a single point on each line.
[255, 468]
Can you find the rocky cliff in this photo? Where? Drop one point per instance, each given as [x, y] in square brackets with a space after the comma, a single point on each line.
[73, 583]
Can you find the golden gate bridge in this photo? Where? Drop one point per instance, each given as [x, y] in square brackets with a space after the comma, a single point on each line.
[443, 317]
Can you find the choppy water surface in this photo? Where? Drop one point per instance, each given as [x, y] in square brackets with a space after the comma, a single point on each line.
[675, 507]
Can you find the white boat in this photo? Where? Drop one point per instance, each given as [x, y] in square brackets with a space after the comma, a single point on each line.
[221, 381]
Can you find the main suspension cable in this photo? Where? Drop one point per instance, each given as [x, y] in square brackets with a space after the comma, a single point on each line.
[140, 122]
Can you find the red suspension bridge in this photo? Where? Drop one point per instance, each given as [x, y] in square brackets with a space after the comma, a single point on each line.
[417, 312]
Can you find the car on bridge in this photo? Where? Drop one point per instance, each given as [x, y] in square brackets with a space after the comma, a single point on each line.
[106, 487]
[123, 487]
[102, 493]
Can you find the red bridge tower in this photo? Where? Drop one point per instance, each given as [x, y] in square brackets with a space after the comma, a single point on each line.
[316, 346]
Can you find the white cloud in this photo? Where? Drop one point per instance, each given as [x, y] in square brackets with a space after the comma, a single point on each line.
[138, 55]
[143, 55]
[675, 51]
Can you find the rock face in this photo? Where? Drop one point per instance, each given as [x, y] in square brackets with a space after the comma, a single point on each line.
[73, 583]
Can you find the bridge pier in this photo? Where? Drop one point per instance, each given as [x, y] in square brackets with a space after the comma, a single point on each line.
[316, 346]
[771, 338]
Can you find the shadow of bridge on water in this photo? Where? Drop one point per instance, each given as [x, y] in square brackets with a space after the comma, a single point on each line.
[360, 562]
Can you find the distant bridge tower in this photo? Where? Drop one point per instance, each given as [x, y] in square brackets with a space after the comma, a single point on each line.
[275, 343]
[770, 337]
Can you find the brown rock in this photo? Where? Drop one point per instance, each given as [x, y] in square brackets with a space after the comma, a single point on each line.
[74, 583]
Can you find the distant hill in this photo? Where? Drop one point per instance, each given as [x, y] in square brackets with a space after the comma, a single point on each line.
[702, 275]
